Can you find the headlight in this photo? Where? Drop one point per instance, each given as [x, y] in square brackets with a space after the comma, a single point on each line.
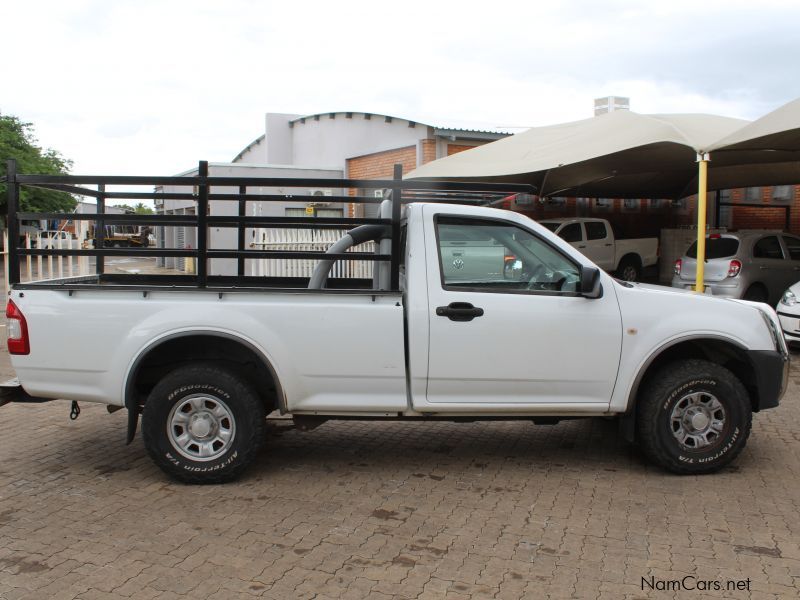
[789, 299]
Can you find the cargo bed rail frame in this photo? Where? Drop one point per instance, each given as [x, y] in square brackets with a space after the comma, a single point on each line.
[397, 190]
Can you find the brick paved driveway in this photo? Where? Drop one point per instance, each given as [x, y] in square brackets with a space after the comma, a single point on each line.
[352, 510]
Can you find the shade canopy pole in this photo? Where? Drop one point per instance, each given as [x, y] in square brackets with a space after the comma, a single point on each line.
[703, 159]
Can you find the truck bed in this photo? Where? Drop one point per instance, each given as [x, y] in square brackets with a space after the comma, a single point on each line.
[304, 337]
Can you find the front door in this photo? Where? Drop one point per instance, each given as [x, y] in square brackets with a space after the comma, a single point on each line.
[517, 332]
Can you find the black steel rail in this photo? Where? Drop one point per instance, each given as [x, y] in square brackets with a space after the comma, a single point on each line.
[203, 189]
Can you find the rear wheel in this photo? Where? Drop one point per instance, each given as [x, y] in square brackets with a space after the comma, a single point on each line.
[756, 293]
[693, 417]
[203, 424]
[630, 269]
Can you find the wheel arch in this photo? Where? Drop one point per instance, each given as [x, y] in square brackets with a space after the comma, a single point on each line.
[721, 350]
[633, 257]
[150, 364]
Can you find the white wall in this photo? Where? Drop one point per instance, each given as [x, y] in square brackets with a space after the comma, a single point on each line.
[280, 140]
[330, 142]
[255, 153]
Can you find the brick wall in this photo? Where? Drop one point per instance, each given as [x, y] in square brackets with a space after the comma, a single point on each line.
[428, 151]
[650, 219]
[380, 165]
[456, 148]
[772, 216]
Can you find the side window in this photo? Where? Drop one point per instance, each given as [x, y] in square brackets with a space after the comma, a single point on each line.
[767, 247]
[571, 233]
[494, 256]
[793, 246]
[595, 230]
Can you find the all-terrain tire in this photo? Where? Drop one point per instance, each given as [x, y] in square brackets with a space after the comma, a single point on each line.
[756, 293]
[677, 390]
[203, 424]
[629, 269]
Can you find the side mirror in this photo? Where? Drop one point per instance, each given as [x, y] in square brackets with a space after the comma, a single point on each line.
[590, 283]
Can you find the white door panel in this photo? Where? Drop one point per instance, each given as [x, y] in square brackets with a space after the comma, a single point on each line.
[524, 349]
[534, 342]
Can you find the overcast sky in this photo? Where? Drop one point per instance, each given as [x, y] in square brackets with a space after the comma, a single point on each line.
[150, 87]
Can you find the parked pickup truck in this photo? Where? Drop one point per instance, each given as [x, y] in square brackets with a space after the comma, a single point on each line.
[438, 333]
[595, 239]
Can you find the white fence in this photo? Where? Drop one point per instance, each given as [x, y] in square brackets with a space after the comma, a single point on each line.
[305, 240]
[37, 268]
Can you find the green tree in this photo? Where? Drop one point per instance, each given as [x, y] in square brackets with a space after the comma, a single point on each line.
[18, 141]
[139, 209]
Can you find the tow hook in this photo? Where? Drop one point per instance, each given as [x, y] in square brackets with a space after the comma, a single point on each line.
[74, 411]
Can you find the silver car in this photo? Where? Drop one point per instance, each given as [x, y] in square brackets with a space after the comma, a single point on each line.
[754, 265]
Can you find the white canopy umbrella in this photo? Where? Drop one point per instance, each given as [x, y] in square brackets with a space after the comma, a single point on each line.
[629, 155]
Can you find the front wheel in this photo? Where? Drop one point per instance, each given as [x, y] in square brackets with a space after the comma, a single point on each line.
[203, 424]
[693, 417]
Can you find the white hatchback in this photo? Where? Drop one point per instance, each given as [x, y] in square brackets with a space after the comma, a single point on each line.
[788, 310]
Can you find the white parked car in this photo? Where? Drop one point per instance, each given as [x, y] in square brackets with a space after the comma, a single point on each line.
[789, 313]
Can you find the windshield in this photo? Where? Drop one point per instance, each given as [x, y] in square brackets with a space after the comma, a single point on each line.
[716, 248]
[550, 225]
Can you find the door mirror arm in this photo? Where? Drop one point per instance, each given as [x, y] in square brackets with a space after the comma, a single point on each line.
[590, 286]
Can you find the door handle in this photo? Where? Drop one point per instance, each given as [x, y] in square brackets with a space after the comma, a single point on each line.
[584, 246]
[459, 311]
[608, 245]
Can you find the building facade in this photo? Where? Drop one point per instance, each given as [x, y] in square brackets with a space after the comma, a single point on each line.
[336, 145]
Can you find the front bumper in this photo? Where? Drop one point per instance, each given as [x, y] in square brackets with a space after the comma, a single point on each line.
[772, 376]
[790, 325]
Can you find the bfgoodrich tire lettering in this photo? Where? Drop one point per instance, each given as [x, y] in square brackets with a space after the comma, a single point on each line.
[693, 417]
[203, 424]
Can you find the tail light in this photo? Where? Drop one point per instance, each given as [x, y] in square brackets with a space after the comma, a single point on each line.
[678, 265]
[734, 268]
[18, 341]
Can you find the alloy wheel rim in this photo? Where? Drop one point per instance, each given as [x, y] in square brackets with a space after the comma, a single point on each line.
[698, 421]
[201, 427]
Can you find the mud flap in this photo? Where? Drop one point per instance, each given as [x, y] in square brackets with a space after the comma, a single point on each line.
[133, 422]
[627, 426]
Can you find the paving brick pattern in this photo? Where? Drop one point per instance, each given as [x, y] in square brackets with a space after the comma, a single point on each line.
[393, 510]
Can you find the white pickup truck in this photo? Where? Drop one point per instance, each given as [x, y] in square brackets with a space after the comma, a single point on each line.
[595, 239]
[535, 331]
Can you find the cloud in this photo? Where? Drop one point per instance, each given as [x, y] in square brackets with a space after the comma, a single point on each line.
[153, 86]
